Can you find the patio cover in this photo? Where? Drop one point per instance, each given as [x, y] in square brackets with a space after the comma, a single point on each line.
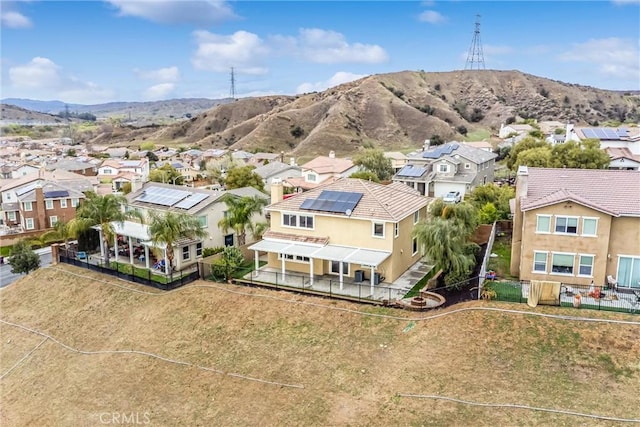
[368, 257]
[129, 229]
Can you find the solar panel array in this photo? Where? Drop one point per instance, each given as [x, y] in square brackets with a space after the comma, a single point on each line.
[605, 133]
[333, 201]
[162, 196]
[26, 189]
[411, 171]
[55, 194]
[191, 201]
[443, 150]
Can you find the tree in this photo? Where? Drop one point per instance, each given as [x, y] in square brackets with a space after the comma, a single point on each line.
[373, 160]
[525, 144]
[436, 140]
[498, 196]
[71, 152]
[240, 211]
[151, 156]
[489, 214]
[147, 146]
[168, 227]
[297, 131]
[102, 211]
[166, 174]
[366, 175]
[126, 188]
[228, 263]
[61, 231]
[464, 215]
[23, 259]
[243, 176]
[535, 157]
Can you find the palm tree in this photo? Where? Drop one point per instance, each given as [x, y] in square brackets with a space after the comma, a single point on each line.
[239, 214]
[168, 227]
[61, 231]
[102, 211]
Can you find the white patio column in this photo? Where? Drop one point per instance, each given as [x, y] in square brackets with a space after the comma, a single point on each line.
[257, 261]
[341, 278]
[115, 246]
[101, 242]
[166, 262]
[146, 256]
[283, 259]
[373, 272]
[310, 271]
[130, 250]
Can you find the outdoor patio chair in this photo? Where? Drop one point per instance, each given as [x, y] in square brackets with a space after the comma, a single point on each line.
[612, 282]
[82, 255]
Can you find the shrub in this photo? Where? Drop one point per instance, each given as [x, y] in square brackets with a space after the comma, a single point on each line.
[206, 252]
[297, 131]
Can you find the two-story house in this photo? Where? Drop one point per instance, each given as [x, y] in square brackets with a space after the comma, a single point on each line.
[321, 169]
[112, 170]
[449, 167]
[577, 226]
[276, 170]
[347, 228]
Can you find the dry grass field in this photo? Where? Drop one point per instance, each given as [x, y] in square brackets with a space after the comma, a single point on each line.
[338, 364]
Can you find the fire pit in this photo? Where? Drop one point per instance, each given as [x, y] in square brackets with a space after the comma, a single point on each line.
[424, 301]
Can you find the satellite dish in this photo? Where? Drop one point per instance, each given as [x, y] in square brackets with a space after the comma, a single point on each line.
[348, 212]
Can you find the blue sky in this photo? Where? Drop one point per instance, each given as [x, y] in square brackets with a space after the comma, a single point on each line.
[120, 50]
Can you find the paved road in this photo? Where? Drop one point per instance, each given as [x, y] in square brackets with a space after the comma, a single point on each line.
[7, 277]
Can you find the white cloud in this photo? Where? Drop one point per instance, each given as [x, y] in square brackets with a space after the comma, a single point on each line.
[13, 19]
[432, 17]
[243, 50]
[167, 74]
[337, 79]
[613, 57]
[197, 12]
[159, 91]
[41, 78]
[329, 47]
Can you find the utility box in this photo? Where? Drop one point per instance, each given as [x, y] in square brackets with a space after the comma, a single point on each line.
[359, 275]
[376, 278]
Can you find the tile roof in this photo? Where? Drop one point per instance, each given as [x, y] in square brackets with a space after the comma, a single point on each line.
[295, 237]
[621, 153]
[325, 164]
[612, 191]
[391, 202]
[274, 168]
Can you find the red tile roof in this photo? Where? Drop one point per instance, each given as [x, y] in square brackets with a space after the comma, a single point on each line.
[615, 192]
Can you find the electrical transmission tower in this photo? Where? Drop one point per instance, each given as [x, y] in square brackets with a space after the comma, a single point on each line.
[475, 57]
[232, 91]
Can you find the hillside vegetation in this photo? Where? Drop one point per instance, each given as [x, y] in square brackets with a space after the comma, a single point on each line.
[333, 363]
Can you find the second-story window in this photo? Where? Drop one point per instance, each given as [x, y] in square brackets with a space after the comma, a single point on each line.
[63, 203]
[289, 220]
[443, 167]
[27, 206]
[566, 225]
[378, 229]
[48, 204]
[311, 177]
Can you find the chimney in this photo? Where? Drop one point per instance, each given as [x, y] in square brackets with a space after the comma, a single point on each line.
[277, 190]
[521, 181]
[426, 145]
[136, 183]
[518, 221]
[292, 161]
[40, 208]
[332, 154]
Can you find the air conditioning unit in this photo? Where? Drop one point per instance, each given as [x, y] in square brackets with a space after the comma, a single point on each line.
[359, 275]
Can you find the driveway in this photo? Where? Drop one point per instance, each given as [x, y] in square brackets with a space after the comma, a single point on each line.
[7, 277]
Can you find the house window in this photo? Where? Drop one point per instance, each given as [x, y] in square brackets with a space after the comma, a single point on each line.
[311, 177]
[562, 263]
[585, 265]
[566, 225]
[74, 203]
[11, 216]
[306, 221]
[294, 258]
[107, 171]
[589, 226]
[414, 246]
[63, 203]
[467, 165]
[52, 220]
[443, 167]
[378, 229]
[203, 221]
[543, 224]
[186, 253]
[48, 204]
[29, 224]
[628, 272]
[396, 229]
[539, 262]
[27, 206]
[335, 267]
[289, 220]
[416, 217]
[199, 249]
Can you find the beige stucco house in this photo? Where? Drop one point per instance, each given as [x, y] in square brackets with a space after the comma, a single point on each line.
[347, 228]
[577, 226]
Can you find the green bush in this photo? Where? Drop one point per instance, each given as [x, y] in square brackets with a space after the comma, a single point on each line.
[206, 252]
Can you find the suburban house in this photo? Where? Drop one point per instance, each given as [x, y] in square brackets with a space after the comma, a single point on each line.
[349, 228]
[511, 130]
[17, 171]
[577, 226]
[398, 160]
[206, 205]
[112, 168]
[276, 170]
[86, 168]
[623, 158]
[449, 167]
[319, 170]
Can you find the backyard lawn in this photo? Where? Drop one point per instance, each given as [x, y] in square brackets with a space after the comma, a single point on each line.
[236, 355]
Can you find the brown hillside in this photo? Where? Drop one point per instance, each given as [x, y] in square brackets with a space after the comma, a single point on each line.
[393, 111]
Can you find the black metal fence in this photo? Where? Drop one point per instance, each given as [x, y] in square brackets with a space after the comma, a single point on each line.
[130, 272]
[583, 297]
[330, 287]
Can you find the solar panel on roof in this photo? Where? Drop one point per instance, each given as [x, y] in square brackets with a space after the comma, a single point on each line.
[589, 133]
[162, 196]
[333, 201]
[25, 190]
[411, 171]
[191, 201]
[55, 194]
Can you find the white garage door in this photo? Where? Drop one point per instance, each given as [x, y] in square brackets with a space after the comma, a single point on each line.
[442, 188]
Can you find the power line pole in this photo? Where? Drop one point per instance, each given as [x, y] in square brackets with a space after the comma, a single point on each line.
[475, 57]
[232, 91]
